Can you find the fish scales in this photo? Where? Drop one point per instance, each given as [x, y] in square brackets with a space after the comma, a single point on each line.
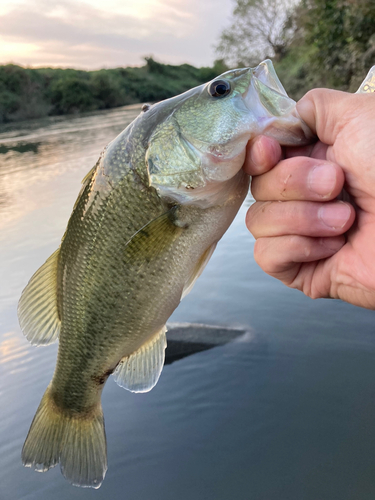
[105, 309]
[144, 226]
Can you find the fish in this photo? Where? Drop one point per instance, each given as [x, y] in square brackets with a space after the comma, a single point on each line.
[146, 222]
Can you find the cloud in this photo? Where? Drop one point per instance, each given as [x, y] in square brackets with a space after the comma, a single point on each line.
[80, 34]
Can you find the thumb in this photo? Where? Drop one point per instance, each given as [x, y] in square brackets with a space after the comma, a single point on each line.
[326, 111]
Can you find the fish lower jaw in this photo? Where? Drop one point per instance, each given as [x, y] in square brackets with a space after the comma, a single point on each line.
[288, 130]
[214, 193]
[217, 169]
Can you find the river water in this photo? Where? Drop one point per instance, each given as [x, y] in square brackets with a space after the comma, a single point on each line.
[285, 412]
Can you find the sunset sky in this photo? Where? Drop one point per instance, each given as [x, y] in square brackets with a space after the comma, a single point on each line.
[94, 34]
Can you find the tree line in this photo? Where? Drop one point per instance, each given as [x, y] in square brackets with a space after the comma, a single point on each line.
[27, 93]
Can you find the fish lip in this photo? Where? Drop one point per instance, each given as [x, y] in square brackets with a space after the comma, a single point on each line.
[265, 84]
[265, 72]
[274, 111]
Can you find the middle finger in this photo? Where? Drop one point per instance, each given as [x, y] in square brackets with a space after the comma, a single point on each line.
[299, 178]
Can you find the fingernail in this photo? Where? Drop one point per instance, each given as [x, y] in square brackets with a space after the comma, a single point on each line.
[322, 179]
[333, 244]
[306, 109]
[335, 216]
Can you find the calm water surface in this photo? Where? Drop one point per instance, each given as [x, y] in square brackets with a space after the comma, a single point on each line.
[286, 413]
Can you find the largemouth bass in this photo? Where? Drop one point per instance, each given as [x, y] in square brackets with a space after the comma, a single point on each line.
[144, 226]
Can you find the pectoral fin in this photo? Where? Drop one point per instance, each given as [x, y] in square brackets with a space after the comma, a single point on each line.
[154, 237]
[37, 309]
[140, 371]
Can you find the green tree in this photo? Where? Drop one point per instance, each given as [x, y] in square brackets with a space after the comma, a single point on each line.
[71, 94]
[343, 34]
[258, 30]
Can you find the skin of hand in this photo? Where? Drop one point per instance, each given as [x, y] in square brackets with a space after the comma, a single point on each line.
[306, 235]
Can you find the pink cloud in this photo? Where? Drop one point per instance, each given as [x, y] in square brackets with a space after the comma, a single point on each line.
[77, 34]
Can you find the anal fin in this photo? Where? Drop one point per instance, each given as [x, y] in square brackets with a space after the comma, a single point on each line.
[140, 371]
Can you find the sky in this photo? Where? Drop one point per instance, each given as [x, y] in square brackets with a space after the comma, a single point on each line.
[93, 34]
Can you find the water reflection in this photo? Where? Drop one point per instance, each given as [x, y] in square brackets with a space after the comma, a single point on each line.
[12, 349]
[36, 152]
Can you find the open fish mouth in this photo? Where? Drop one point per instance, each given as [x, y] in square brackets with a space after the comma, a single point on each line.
[265, 73]
[274, 110]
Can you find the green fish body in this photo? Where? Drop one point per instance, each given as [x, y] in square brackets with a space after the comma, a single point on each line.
[144, 226]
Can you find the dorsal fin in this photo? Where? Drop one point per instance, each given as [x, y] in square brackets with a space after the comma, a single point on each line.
[140, 371]
[89, 174]
[37, 309]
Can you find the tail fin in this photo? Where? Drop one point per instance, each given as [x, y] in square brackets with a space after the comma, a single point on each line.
[77, 442]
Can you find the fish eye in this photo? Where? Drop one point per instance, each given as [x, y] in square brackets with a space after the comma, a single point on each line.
[219, 88]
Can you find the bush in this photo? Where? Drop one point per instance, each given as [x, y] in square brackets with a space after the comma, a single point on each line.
[72, 95]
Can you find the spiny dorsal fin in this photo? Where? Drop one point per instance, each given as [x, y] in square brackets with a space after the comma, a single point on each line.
[198, 270]
[89, 174]
[37, 309]
[140, 371]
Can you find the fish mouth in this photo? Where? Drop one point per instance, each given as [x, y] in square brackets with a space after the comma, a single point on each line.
[274, 110]
[266, 74]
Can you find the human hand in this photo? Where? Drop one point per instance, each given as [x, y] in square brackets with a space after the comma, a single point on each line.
[306, 237]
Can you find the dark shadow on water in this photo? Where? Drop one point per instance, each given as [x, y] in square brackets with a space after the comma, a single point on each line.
[186, 339]
[27, 147]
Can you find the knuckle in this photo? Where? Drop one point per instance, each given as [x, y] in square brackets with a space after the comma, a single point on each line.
[256, 211]
[299, 245]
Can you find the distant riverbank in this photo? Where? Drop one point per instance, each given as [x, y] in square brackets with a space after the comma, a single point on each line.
[27, 93]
